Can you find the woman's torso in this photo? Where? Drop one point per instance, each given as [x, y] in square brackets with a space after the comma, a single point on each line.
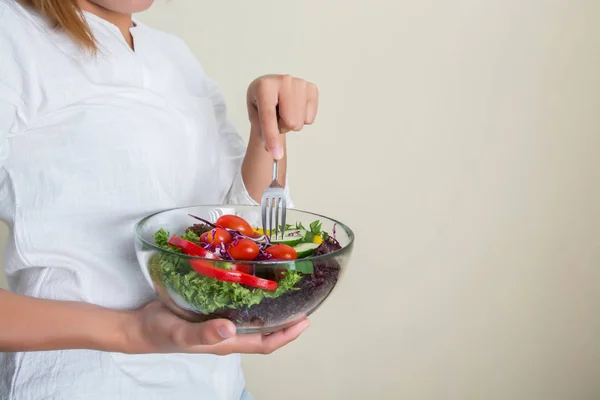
[99, 144]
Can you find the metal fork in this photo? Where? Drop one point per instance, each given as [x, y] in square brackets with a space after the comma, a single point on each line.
[272, 203]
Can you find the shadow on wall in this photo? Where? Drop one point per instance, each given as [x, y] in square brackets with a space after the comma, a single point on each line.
[3, 236]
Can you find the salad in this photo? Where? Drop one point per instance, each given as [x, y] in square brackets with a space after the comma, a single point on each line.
[273, 279]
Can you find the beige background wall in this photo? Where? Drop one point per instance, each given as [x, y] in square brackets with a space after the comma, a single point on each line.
[460, 140]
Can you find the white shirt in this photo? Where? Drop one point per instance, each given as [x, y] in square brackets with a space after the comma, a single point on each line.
[88, 146]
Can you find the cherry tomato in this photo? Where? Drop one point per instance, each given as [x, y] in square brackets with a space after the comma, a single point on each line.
[282, 252]
[243, 250]
[217, 236]
[204, 238]
[236, 223]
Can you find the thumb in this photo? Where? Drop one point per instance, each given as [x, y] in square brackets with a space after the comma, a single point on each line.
[205, 333]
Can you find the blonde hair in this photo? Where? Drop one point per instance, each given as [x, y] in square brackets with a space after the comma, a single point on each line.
[67, 16]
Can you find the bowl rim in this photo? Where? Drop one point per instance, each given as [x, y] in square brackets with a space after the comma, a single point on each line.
[343, 250]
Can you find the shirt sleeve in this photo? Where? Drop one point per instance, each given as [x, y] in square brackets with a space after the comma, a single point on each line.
[231, 146]
[12, 114]
[9, 118]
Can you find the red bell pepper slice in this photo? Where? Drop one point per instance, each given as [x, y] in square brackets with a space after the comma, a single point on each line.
[191, 249]
[206, 269]
[239, 273]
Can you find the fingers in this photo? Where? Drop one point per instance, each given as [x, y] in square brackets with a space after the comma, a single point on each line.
[283, 103]
[191, 335]
[219, 337]
[279, 339]
[292, 104]
[156, 329]
[263, 344]
[312, 103]
[266, 103]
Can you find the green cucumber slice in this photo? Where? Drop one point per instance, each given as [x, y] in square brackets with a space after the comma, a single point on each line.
[291, 238]
[305, 249]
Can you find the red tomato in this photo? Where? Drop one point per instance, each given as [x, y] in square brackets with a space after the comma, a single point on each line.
[204, 237]
[217, 236]
[282, 252]
[236, 223]
[244, 250]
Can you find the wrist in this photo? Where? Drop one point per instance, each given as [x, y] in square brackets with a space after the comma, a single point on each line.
[257, 142]
[256, 135]
[112, 330]
[257, 166]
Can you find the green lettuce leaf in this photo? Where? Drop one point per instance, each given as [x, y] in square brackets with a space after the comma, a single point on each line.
[208, 295]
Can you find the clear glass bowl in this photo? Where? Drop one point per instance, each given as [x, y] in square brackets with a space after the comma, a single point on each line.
[194, 297]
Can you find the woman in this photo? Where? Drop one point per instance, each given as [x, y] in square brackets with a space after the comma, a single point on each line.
[104, 120]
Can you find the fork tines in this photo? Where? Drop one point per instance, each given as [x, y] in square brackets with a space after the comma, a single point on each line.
[273, 212]
[273, 207]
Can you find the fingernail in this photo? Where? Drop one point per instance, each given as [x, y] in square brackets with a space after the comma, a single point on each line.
[225, 332]
[278, 153]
